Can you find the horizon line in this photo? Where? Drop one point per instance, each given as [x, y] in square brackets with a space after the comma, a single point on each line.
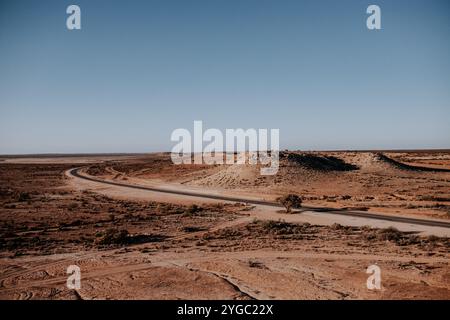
[80, 154]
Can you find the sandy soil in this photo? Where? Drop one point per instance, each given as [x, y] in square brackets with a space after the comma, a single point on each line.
[132, 246]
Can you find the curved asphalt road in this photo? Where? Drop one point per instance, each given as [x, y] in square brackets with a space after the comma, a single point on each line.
[361, 214]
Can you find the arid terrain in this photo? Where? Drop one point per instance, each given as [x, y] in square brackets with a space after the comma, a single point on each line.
[133, 243]
[415, 183]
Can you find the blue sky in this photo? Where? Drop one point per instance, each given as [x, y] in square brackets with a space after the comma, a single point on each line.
[140, 69]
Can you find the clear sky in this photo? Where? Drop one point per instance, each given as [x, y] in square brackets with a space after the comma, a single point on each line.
[137, 70]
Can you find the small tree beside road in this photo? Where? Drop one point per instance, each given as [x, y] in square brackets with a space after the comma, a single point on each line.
[290, 201]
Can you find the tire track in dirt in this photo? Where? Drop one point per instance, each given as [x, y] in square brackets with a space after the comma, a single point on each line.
[172, 260]
[77, 256]
[249, 293]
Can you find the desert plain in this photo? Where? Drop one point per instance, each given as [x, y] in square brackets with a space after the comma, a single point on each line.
[145, 243]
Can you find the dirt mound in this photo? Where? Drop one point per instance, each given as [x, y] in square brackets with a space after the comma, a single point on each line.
[378, 161]
[294, 168]
[318, 162]
[403, 166]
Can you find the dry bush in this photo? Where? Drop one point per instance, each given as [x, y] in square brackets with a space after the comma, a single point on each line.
[114, 236]
[256, 264]
[282, 227]
[192, 210]
[191, 229]
[23, 196]
[390, 234]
